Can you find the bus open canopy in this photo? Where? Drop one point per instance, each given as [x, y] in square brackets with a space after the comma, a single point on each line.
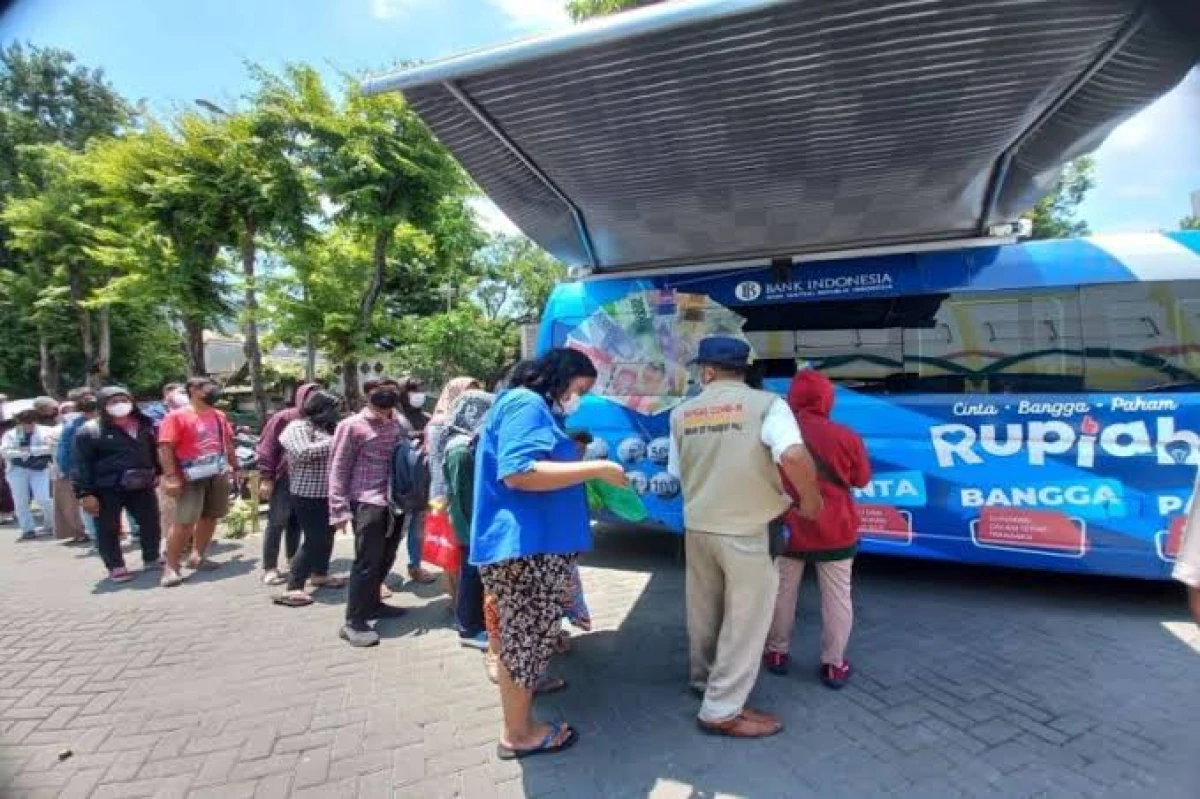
[709, 130]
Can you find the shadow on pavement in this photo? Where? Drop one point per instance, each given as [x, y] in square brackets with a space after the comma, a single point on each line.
[968, 681]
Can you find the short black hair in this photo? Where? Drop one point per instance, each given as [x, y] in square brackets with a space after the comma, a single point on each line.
[376, 382]
[171, 388]
[550, 375]
[581, 437]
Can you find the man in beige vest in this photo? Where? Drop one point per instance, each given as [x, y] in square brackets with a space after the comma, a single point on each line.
[727, 446]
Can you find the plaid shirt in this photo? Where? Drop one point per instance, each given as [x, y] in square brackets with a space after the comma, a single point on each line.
[362, 461]
[307, 449]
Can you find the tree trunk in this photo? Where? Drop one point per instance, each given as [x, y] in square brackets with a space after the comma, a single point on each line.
[49, 367]
[251, 348]
[75, 285]
[310, 348]
[193, 346]
[350, 383]
[105, 354]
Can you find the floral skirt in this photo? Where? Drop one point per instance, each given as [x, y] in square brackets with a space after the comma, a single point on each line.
[530, 595]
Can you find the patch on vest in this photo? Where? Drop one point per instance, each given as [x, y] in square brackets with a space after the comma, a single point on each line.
[714, 419]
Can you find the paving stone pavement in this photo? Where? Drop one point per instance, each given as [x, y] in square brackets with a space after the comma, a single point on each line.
[969, 683]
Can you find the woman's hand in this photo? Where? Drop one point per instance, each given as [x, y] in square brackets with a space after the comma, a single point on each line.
[172, 485]
[90, 505]
[611, 472]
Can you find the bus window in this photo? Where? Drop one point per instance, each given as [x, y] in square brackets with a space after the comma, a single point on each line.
[1003, 343]
[1141, 336]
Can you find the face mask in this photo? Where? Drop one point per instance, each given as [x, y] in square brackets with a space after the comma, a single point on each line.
[417, 399]
[120, 409]
[177, 400]
[210, 395]
[385, 398]
[569, 404]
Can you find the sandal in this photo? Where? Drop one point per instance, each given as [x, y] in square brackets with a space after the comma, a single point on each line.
[333, 583]
[492, 664]
[420, 576]
[273, 577]
[293, 599]
[385, 592]
[549, 685]
[546, 747]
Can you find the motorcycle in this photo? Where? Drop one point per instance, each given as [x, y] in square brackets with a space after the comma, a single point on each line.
[245, 449]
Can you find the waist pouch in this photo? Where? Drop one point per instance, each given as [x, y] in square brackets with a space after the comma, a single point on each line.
[204, 467]
[136, 479]
[36, 463]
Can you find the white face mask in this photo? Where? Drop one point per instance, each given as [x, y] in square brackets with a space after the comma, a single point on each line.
[178, 400]
[417, 399]
[569, 404]
[120, 409]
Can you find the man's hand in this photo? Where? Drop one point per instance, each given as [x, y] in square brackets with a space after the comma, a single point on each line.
[172, 485]
[90, 506]
[801, 472]
[264, 490]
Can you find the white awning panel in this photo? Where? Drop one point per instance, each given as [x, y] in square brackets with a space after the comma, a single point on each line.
[704, 130]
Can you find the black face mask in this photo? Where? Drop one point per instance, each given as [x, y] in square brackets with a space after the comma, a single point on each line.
[210, 395]
[386, 398]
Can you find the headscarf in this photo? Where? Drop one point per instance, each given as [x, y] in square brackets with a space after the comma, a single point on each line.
[468, 411]
[452, 391]
[436, 433]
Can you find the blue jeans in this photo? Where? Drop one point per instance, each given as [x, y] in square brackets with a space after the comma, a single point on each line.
[469, 610]
[416, 536]
[26, 485]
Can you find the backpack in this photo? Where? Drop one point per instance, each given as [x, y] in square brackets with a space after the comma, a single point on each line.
[410, 477]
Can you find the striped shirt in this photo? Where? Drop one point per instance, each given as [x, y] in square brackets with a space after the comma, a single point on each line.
[308, 450]
[362, 459]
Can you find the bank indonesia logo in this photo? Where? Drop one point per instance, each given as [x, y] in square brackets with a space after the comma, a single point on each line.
[638, 482]
[664, 486]
[631, 450]
[748, 291]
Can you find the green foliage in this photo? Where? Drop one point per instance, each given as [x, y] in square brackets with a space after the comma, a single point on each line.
[580, 10]
[1190, 223]
[518, 277]
[460, 342]
[1056, 216]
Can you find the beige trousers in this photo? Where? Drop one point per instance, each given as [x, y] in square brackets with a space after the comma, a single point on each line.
[731, 585]
[67, 521]
[837, 610]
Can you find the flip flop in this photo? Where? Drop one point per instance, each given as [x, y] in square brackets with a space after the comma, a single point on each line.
[546, 747]
[330, 582]
[273, 578]
[293, 600]
[549, 685]
[385, 592]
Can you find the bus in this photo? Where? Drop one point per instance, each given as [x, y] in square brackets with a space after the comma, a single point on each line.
[1030, 405]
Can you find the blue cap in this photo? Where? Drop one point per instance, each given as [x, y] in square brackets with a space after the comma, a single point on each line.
[723, 351]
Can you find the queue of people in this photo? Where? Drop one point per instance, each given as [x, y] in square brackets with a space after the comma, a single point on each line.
[767, 486]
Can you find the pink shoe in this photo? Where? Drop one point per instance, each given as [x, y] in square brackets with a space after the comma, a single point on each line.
[120, 575]
[835, 677]
[776, 662]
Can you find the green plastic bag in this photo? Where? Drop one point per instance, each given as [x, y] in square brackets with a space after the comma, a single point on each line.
[624, 503]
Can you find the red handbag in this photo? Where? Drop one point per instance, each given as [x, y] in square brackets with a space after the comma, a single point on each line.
[441, 545]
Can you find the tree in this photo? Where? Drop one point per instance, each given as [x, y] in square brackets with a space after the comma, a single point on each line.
[1191, 222]
[460, 342]
[580, 10]
[59, 230]
[240, 161]
[518, 277]
[1056, 216]
[171, 256]
[381, 173]
[45, 98]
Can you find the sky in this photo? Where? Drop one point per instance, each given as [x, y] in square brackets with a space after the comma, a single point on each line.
[170, 53]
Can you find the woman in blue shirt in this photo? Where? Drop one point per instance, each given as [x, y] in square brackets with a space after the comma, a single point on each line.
[531, 522]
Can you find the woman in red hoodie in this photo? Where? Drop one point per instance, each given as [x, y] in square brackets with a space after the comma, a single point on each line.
[830, 541]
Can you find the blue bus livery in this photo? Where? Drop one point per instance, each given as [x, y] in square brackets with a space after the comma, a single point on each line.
[1033, 405]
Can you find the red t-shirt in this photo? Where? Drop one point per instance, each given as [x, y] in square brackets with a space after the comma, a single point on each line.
[194, 435]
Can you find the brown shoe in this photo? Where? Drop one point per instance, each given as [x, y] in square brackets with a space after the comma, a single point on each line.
[743, 725]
